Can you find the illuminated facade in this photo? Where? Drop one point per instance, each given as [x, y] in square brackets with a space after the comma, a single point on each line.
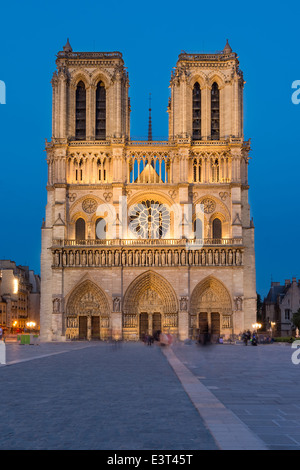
[116, 257]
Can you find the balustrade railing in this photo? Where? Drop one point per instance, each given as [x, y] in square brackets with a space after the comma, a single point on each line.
[182, 242]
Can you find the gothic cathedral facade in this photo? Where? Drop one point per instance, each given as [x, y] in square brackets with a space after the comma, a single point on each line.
[142, 236]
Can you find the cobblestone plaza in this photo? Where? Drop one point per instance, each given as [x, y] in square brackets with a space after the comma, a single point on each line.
[96, 395]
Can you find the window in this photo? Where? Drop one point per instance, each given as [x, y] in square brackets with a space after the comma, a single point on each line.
[217, 229]
[196, 112]
[287, 314]
[100, 112]
[215, 112]
[197, 170]
[198, 228]
[149, 219]
[80, 111]
[215, 171]
[100, 229]
[80, 229]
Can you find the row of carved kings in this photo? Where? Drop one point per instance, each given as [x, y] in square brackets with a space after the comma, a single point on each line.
[117, 307]
[110, 258]
[129, 321]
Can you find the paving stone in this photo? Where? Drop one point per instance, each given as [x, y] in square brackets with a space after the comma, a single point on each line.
[89, 396]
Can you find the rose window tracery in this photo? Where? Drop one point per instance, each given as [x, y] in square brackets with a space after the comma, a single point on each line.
[149, 219]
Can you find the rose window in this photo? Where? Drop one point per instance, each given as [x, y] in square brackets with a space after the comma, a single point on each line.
[149, 219]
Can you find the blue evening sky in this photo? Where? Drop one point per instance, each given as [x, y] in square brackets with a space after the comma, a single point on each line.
[150, 36]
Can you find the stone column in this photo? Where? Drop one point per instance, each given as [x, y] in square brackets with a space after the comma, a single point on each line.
[183, 324]
[150, 323]
[89, 328]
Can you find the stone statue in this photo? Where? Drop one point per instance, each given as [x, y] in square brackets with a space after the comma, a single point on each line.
[77, 258]
[150, 258]
[137, 258]
[97, 258]
[71, 258]
[170, 258]
[238, 303]
[183, 258]
[117, 304]
[156, 258]
[210, 257]
[130, 258]
[64, 258]
[230, 257]
[117, 258]
[183, 303]
[217, 257]
[223, 257]
[163, 258]
[203, 258]
[56, 257]
[103, 258]
[90, 258]
[176, 258]
[83, 258]
[123, 258]
[56, 305]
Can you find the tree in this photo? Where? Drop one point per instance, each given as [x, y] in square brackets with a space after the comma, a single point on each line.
[259, 305]
[296, 319]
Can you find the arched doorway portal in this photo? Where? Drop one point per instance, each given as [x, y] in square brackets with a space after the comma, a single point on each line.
[87, 313]
[150, 305]
[210, 309]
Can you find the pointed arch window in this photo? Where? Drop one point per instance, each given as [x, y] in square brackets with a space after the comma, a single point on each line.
[198, 228]
[80, 229]
[215, 112]
[217, 229]
[80, 129]
[196, 112]
[197, 176]
[100, 112]
[100, 229]
[215, 171]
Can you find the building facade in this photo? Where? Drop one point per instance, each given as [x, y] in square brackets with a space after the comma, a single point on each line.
[19, 296]
[147, 235]
[279, 306]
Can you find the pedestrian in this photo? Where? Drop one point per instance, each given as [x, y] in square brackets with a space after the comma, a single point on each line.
[1, 333]
[245, 338]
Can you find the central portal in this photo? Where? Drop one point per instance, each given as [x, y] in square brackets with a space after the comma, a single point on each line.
[150, 305]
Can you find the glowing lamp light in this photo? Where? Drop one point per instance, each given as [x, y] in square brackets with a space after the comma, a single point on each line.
[30, 324]
[15, 286]
[256, 326]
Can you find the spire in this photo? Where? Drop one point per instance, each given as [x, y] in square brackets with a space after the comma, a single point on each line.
[150, 121]
[67, 47]
[227, 49]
